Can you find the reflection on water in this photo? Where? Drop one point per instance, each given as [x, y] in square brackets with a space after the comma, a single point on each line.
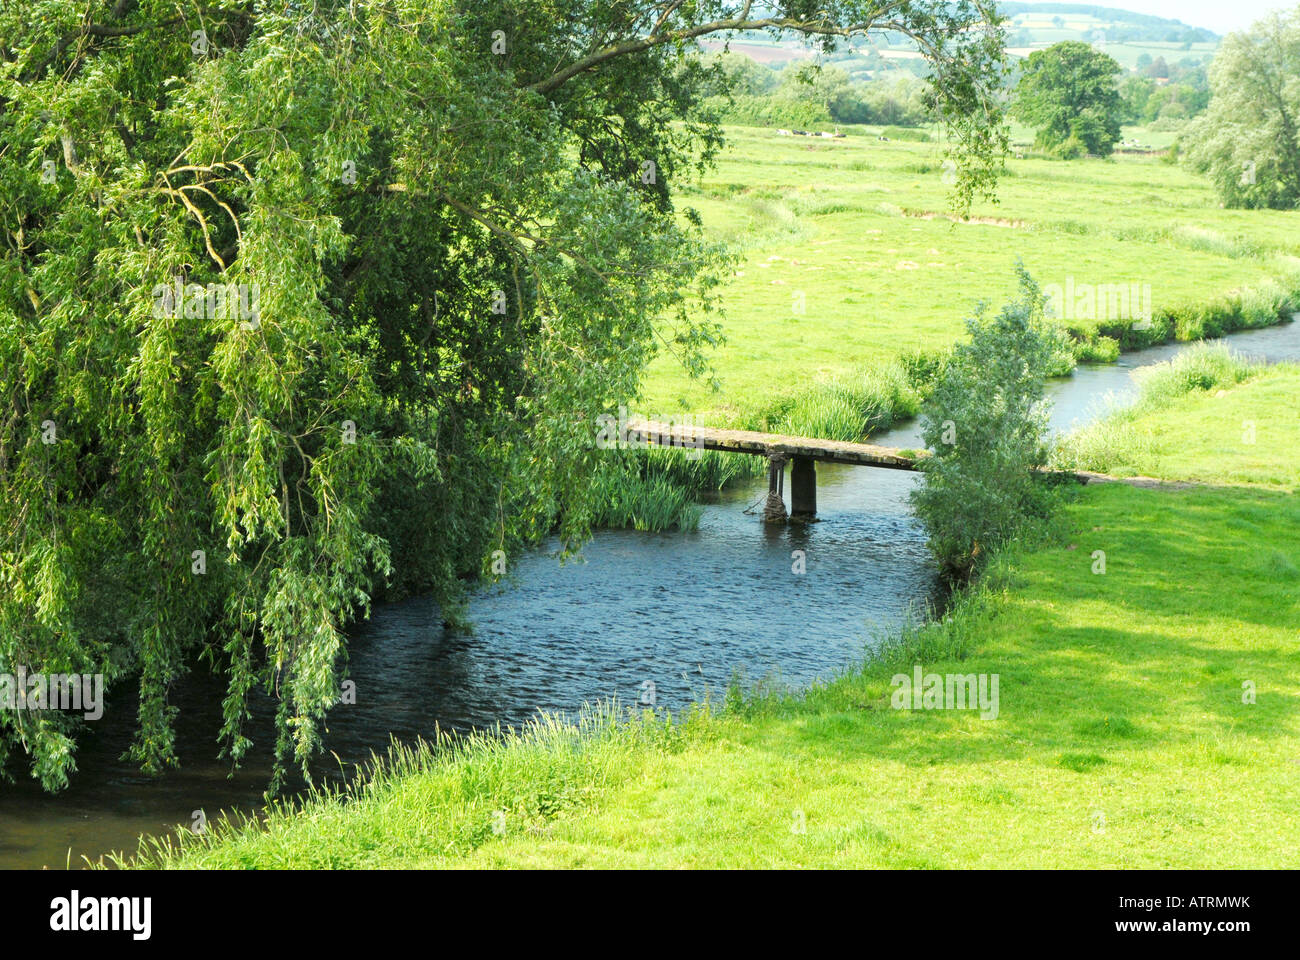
[686, 611]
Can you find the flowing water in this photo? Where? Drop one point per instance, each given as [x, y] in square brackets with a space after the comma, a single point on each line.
[686, 612]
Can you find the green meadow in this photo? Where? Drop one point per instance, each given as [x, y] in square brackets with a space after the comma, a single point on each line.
[1148, 711]
[848, 256]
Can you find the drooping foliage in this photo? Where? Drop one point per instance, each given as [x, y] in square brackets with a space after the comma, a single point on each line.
[304, 304]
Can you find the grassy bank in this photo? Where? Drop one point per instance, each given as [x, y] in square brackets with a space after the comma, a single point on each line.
[1241, 415]
[1147, 717]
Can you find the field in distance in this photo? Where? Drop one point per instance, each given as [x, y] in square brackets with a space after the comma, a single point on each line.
[848, 254]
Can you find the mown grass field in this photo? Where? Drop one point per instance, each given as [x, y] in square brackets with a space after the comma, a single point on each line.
[1149, 716]
[849, 256]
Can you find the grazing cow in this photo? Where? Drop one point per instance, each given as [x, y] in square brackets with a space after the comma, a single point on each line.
[783, 133]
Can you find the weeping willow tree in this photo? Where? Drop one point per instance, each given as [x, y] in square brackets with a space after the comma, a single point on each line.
[1248, 139]
[304, 304]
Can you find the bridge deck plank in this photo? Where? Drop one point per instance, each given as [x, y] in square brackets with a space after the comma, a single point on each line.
[772, 444]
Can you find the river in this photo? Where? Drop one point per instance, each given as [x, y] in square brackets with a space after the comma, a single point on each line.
[686, 612]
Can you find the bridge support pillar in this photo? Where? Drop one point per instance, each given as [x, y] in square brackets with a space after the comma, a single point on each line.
[774, 508]
[803, 489]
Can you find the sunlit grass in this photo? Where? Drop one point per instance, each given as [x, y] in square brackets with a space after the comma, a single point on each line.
[1209, 416]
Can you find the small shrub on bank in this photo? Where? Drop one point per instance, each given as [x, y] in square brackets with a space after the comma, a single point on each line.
[923, 367]
[985, 423]
[1097, 350]
[1061, 359]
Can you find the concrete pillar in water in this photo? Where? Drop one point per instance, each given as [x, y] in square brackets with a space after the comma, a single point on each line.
[803, 489]
[774, 508]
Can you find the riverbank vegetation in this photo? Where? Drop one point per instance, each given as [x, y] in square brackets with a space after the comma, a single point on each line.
[1147, 717]
[1245, 409]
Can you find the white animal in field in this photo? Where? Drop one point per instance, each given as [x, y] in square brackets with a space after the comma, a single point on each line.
[785, 133]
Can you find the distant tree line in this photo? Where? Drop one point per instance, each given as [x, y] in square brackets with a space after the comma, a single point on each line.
[1146, 101]
[802, 94]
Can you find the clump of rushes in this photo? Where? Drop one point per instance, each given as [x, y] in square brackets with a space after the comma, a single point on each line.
[636, 494]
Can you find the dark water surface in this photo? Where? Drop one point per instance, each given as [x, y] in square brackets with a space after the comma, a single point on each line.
[684, 611]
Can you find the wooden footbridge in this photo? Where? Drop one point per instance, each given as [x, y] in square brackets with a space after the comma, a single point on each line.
[802, 453]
